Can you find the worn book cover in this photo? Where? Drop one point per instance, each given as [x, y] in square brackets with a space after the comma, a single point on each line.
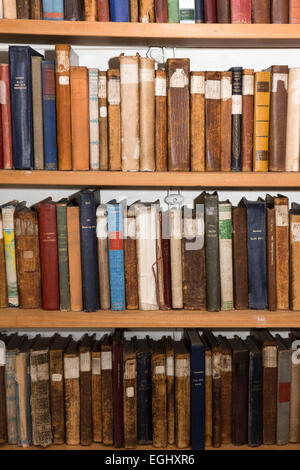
[182, 394]
[72, 393]
[159, 394]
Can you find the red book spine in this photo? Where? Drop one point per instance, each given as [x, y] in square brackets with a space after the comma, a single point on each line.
[117, 350]
[49, 255]
[295, 11]
[161, 11]
[241, 11]
[1, 142]
[210, 11]
[103, 10]
[6, 118]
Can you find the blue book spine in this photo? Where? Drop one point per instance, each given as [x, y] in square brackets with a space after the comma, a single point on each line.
[255, 424]
[199, 11]
[53, 10]
[116, 256]
[89, 253]
[49, 114]
[198, 397]
[119, 10]
[21, 105]
[144, 399]
[257, 257]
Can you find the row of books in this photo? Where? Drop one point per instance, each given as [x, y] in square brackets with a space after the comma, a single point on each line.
[78, 254]
[203, 390]
[133, 118]
[160, 11]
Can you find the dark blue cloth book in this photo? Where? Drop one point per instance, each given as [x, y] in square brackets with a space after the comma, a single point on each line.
[236, 119]
[144, 395]
[21, 105]
[119, 10]
[255, 412]
[49, 115]
[199, 11]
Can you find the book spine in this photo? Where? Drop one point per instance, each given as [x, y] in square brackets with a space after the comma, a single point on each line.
[146, 11]
[269, 394]
[49, 111]
[147, 113]
[278, 117]
[9, 9]
[37, 115]
[36, 10]
[282, 252]
[74, 254]
[261, 121]
[212, 254]
[115, 224]
[197, 91]
[103, 259]
[63, 258]
[198, 397]
[159, 401]
[56, 368]
[80, 118]
[223, 11]
[114, 119]
[173, 11]
[90, 9]
[159, 263]
[161, 11]
[130, 401]
[240, 365]
[103, 10]
[3, 283]
[182, 400]
[72, 399]
[1, 9]
[11, 405]
[292, 152]
[144, 403]
[210, 11]
[23, 400]
[216, 398]
[94, 119]
[294, 427]
[134, 11]
[170, 387]
[294, 261]
[74, 10]
[6, 117]
[237, 111]
[187, 11]
[176, 257]
[226, 397]
[247, 119]
[118, 399]
[240, 261]
[228, 107]
[10, 256]
[85, 381]
[3, 421]
[53, 10]
[240, 11]
[23, 9]
[255, 412]
[271, 258]
[166, 258]
[261, 11]
[283, 397]
[199, 11]
[279, 11]
[213, 120]
[130, 262]
[225, 246]
[107, 396]
[103, 121]
[96, 396]
[119, 10]
[294, 11]
[161, 131]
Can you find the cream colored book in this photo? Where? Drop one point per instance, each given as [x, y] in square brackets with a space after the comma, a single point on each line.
[10, 253]
[10, 9]
[94, 119]
[1, 8]
[293, 122]
[176, 259]
[147, 111]
[101, 215]
[225, 250]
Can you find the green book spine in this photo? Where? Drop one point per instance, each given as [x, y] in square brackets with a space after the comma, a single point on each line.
[63, 259]
[173, 11]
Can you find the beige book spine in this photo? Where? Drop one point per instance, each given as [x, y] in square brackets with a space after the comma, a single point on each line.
[103, 122]
[293, 122]
[103, 258]
[294, 435]
[159, 401]
[96, 396]
[147, 112]
[182, 400]
[94, 119]
[175, 251]
[114, 119]
[225, 249]
[295, 261]
[197, 89]
[10, 9]
[160, 269]
[21, 380]
[72, 399]
[37, 105]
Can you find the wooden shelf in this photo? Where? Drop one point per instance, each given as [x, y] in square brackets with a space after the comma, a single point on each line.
[160, 34]
[22, 318]
[9, 178]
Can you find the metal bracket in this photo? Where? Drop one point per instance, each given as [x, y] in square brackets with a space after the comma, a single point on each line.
[174, 199]
[159, 54]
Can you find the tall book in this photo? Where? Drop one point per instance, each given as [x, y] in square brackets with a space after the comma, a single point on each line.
[278, 117]
[237, 111]
[199, 11]
[74, 10]
[37, 112]
[94, 118]
[8, 226]
[147, 112]
[283, 390]
[271, 253]
[225, 248]
[292, 152]
[103, 266]
[166, 258]
[85, 382]
[255, 397]
[119, 10]
[72, 393]
[3, 282]
[226, 390]
[10, 9]
[74, 255]
[49, 115]
[279, 11]
[103, 10]
[161, 11]
[160, 285]
[80, 138]
[281, 204]
[197, 90]
[144, 392]
[176, 256]
[178, 114]
[21, 105]
[130, 259]
[1, 9]
[6, 117]
[161, 142]
[107, 390]
[294, 422]
[63, 256]
[36, 10]
[240, 258]
[159, 395]
[223, 11]
[130, 394]
[213, 120]
[210, 10]
[262, 90]
[227, 101]
[182, 394]
[3, 424]
[103, 121]
[294, 11]
[146, 11]
[118, 401]
[261, 11]
[294, 218]
[90, 10]
[134, 11]
[114, 119]
[208, 391]
[53, 10]
[96, 392]
[187, 11]
[173, 11]
[247, 119]
[170, 381]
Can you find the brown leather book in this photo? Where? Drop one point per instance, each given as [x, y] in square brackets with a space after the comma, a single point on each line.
[147, 113]
[28, 258]
[103, 121]
[3, 424]
[103, 265]
[3, 283]
[134, 11]
[85, 371]
[37, 107]
[261, 121]
[90, 9]
[23, 9]
[72, 393]
[130, 260]
[294, 412]
[295, 11]
[182, 394]
[279, 11]
[226, 390]
[278, 116]
[146, 8]
[107, 391]
[159, 395]
[73, 229]
[103, 10]
[170, 378]
[114, 119]
[240, 258]
[178, 114]
[6, 118]
[247, 119]
[213, 120]
[261, 11]
[197, 90]
[208, 392]
[161, 139]
[80, 118]
[281, 204]
[36, 10]
[294, 256]
[117, 378]
[130, 394]
[271, 253]
[96, 392]
[226, 113]
[223, 11]
[74, 10]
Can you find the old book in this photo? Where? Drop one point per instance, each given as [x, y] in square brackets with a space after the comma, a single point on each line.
[85, 382]
[182, 394]
[94, 118]
[129, 394]
[28, 258]
[176, 256]
[40, 393]
[118, 400]
[3, 423]
[64, 58]
[103, 10]
[130, 259]
[271, 253]
[96, 392]
[119, 11]
[103, 267]
[49, 115]
[178, 114]
[278, 117]
[261, 11]
[210, 10]
[197, 90]
[170, 388]
[240, 11]
[90, 10]
[173, 11]
[160, 285]
[144, 392]
[237, 111]
[3, 283]
[283, 390]
[247, 119]
[223, 11]
[57, 399]
[159, 395]
[74, 10]
[103, 121]
[53, 10]
[8, 211]
[294, 11]
[292, 152]
[294, 421]
[72, 393]
[114, 119]
[38, 132]
[199, 11]
[226, 390]
[279, 11]
[227, 100]
[10, 9]
[161, 139]
[240, 258]
[1, 9]
[208, 391]
[23, 9]
[146, 11]
[261, 121]
[107, 390]
[166, 258]
[294, 216]
[6, 118]
[281, 204]
[161, 11]
[134, 11]
[147, 113]
[74, 255]
[36, 10]
[63, 257]
[187, 11]
[225, 249]
[255, 396]
[129, 79]
[213, 120]
[80, 118]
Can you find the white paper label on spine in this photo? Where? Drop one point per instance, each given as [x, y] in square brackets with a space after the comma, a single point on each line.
[208, 366]
[237, 106]
[129, 74]
[182, 367]
[226, 88]
[282, 216]
[130, 369]
[147, 75]
[64, 80]
[113, 92]
[39, 372]
[96, 366]
[248, 85]
[103, 111]
[85, 362]
[159, 370]
[213, 89]
[295, 228]
[56, 378]
[279, 77]
[197, 85]
[216, 365]
[102, 87]
[226, 363]
[106, 360]
[160, 86]
[170, 366]
[71, 366]
[1, 229]
[130, 392]
[2, 353]
[2, 92]
[270, 356]
[179, 79]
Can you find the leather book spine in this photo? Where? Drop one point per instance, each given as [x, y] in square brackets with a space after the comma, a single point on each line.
[80, 118]
[115, 222]
[261, 11]
[130, 401]
[107, 395]
[23, 399]
[213, 282]
[103, 258]
[170, 386]
[134, 11]
[228, 108]
[292, 153]
[3, 423]
[225, 250]
[129, 79]
[94, 118]
[176, 257]
[241, 11]
[161, 11]
[144, 404]
[114, 119]
[63, 257]
[37, 108]
[28, 259]
[294, 261]
[269, 394]
[216, 397]
[199, 11]
[210, 11]
[23, 9]
[96, 396]
[178, 114]
[161, 131]
[9, 9]
[159, 401]
[255, 399]
[3, 283]
[85, 382]
[294, 11]
[40, 398]
[72, 398]
[118, 400]
[237, 112]
[223, 11]
[278, 117]
[226, 397]
[119, 11]
[49, 113]
[261, 121]
[282, 252]
[173, 11]
[90, 10]
[147, 113]
[11, 406]
[279, 11]
[74, 10]
[73, 229]
[166, 259]
[197, 91]
[49, 256]
[130, 262]
[271, 258]
[53, 10]
[247, 119]
[56, 368]
[294, 423]
[240, 259]
[283, 396]
[213, 120]
[146, 11]
[182, 400]
[6, 118]
[103, 10]
[208, 398]
[10, 255]
[36, 10]
[240, 368]
[103, 121]
[63, 105]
